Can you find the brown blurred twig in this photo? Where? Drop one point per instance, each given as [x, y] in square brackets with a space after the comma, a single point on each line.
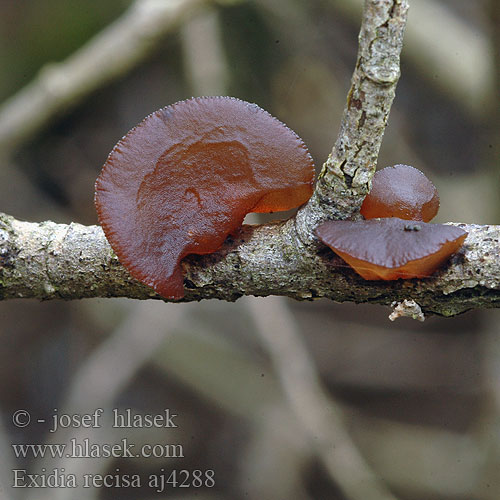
[98, 383]
[438, 42]
[421, 461]
[319, 415]
[205, 64]
[109, 55]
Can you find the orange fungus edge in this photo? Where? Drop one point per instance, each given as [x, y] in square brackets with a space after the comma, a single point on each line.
[365, 260]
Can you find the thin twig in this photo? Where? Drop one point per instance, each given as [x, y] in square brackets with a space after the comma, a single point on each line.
[397, 451]
[107, 56]
[423, 462]
[346, 175]
[100, 380]
[438, 42]
[205, 63]
[321, 417]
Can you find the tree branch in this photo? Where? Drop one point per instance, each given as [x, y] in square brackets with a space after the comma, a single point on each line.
[440, 42]
[320, 416]
[51, 261]
[107, 56]
[346, 175]
[48, 260]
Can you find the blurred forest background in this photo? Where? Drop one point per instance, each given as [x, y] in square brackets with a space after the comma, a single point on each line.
[419, 401]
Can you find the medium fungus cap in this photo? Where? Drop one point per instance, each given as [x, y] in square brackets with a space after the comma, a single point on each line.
[186, 176]
[401, 191]
[392, 248]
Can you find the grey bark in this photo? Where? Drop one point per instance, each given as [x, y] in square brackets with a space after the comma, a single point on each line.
[50, 261]
[345, 178]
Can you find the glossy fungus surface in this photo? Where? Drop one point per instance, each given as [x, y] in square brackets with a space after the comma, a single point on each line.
[392, 248]
[185, 177]
[401, 191]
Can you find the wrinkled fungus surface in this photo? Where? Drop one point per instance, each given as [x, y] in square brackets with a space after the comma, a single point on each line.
[392, 248]
[185, 177]
[401, 191]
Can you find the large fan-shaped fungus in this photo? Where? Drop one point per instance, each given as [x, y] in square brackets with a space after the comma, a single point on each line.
[391, 248]
[185, 177]
[401, 191]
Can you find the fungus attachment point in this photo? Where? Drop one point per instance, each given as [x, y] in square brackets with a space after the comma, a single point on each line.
[186, 176]
[384, 249]
[401, 191]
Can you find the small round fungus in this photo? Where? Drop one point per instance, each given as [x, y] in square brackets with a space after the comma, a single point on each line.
[184, 178]
[392, 248]
[401, 191]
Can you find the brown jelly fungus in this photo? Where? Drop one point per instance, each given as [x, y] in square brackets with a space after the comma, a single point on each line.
[185, 177]
[401, 191]
[392, 248]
